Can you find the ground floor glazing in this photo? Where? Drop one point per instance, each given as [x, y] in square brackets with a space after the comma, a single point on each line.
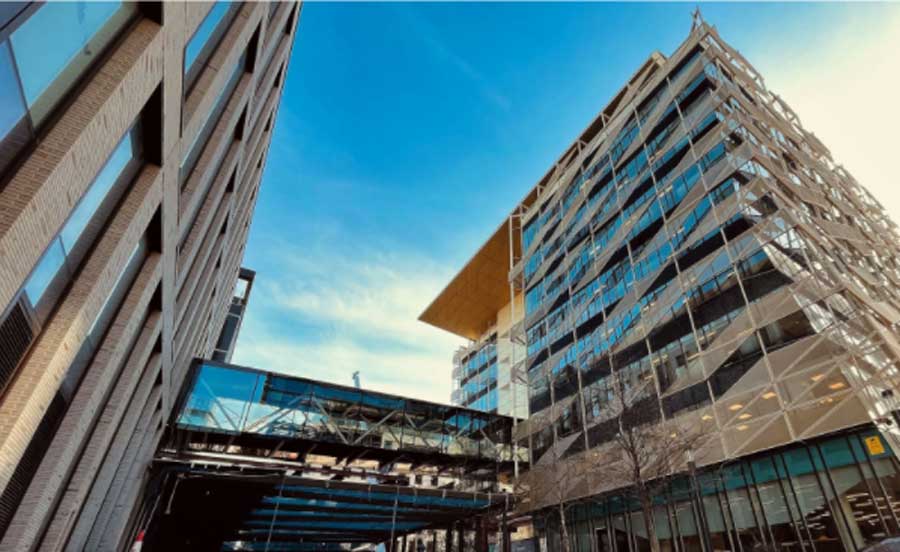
[836, 493]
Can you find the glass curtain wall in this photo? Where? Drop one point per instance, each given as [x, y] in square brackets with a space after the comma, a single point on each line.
[836, 494]
[478, 378]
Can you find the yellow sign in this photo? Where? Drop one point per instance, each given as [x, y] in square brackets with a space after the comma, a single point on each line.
[874, 445]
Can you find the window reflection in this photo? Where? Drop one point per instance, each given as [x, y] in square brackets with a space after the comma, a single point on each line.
[206, 38]
[12, 108]
[78, 32]
[192, 153]
[95, 195]
[44, 273]
[68, 248]
[103, 319]
[48, 51]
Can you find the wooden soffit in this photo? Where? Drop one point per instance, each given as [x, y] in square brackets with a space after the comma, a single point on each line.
[469, 304]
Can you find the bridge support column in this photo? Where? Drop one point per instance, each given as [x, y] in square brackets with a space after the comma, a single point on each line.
[504, 532]
[481, 537]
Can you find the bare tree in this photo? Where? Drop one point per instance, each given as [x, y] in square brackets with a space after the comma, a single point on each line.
[549, 486]
[645, 450]
[550, 483]
[640, 454]
[563, 474]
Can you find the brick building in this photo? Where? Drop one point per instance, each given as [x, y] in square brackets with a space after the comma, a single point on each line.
[134, 138]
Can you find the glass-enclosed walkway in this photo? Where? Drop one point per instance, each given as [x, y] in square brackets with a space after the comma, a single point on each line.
[254, 460]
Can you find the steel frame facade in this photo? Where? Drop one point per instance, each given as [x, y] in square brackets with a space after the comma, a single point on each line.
[699, 248]
[830, 241]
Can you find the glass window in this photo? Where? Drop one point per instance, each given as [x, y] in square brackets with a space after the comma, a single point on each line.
[206, 38]
[241, 287]
[58, 41]
[98, 191]
[192, 154]
[103, 319]
[740, 508]
[687, 527]
[783, 526]
[12, 108]
[44, 272]
[15, 131]
[61, 252]
[814, 505]
[719, 532]
[135, 261]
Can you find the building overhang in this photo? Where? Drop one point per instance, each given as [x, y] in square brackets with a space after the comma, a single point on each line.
[468, 305]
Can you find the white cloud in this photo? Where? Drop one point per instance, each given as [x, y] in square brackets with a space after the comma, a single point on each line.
[351, 314]
[845, 89]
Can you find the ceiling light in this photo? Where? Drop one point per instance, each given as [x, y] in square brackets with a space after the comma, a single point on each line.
[837, 385]
[817, 377]
[744, 416]
[768, 395]
[706, 417]
[736, 406]
[742, 427]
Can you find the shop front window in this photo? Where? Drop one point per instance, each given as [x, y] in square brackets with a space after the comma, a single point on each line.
[882, 480]
[836, 494]
[814, 505]
[783, 528]
[717, 520]
[741, 510]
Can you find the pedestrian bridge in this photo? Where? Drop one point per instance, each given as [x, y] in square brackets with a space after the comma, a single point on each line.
[254, 460]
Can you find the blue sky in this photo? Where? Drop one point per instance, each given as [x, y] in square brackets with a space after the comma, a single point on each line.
[407, 132]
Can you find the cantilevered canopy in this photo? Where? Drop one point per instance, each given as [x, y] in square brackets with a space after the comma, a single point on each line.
[468, 305]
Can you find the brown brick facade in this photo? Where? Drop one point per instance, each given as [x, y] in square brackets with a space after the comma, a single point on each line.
[85, 488]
